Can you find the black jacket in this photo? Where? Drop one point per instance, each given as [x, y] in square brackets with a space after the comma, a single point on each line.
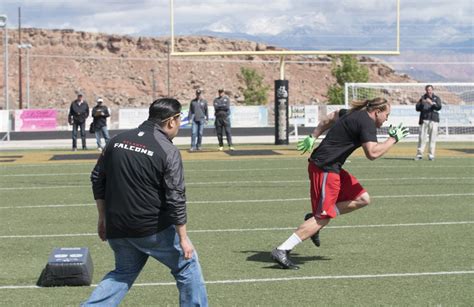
[78, 113]
[100, 114]
[140, 177]
[222, 106]
[428, 112]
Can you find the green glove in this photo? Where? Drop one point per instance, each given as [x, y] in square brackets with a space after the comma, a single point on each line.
[398, 133]
[306, 144]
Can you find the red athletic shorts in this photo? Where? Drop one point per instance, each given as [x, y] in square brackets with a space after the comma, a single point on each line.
[327, 189]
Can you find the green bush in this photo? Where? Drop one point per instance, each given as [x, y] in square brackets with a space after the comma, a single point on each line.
[346, 68]
[255, 91]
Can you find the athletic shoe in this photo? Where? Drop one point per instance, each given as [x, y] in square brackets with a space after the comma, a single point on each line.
[99, 149]
[315, 237]
[418, 158]
[192, 149]
[282, 257]
[74, 149]
[431, 158]
[232, 148]
[221, 148]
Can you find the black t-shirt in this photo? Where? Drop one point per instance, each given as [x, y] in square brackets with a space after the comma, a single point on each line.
[347, 134]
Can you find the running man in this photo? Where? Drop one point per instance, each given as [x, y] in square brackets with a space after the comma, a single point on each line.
[335, 191]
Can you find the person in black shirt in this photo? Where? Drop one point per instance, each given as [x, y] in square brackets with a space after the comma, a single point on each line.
[100, 113]
[138, 185]
[428, 106]
[78, 112]
[333, 190]
[222, 121]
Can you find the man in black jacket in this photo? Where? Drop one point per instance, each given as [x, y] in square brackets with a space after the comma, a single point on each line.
[138, 185]
[428, 106]
[100, 113]
[222, 121]
[78, 112]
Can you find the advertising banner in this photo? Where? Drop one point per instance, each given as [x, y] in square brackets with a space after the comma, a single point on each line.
[297, 115]
[311, 114]
[251, 116]
[35, 120]
[3, 120]
[132, 118]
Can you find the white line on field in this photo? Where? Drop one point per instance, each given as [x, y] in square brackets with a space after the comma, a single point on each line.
[248, 182]
[279, 279]
[252, 229]
[44, 174]
[186, 171]
[248, 200]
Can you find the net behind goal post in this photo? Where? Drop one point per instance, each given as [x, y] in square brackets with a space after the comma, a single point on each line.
[456, 115]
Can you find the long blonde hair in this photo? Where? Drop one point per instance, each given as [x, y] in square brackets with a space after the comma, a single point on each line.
[370, 104]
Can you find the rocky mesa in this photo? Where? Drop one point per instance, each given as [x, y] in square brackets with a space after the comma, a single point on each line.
[129, 71]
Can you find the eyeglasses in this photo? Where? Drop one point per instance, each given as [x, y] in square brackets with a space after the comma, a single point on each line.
[172, 117]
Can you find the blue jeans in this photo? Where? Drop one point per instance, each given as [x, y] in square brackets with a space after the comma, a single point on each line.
[131, 255]
[102, 132]
[82, 127]
[197, 129]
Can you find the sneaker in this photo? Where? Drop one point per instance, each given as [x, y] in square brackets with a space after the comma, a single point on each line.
[192, 149]
[431, 158]
[221, 148]
[74, 149]
[282, 257]
[315, 237]
[418, 158]
[232, 148]
[99, 149]
[84, 148]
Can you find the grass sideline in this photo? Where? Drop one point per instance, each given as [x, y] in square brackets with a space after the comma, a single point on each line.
[412, 246]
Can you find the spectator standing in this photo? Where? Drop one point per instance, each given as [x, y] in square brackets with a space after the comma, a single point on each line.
[198, 116]
[100, 113]
[428, 106]
[78, 112]
[222, 121]
[138, 185]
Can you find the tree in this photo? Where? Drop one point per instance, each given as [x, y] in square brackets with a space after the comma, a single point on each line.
[346, 68]
[255, 92]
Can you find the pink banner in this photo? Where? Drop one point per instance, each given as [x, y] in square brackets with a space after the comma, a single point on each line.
[35, 120]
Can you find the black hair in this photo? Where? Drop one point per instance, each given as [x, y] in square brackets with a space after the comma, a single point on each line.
[163, 108]
[428, 86]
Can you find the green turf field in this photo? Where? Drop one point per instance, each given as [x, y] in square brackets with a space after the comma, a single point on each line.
[413, 246]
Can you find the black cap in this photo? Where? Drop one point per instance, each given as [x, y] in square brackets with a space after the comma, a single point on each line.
[198, 91]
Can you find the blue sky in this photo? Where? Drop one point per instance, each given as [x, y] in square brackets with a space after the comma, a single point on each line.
[431, 30]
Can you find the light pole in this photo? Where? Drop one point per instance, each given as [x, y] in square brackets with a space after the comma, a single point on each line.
[3, 24]
[27, 47]
[153, 84]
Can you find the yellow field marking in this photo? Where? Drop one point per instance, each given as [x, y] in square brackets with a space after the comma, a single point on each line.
[406, 150]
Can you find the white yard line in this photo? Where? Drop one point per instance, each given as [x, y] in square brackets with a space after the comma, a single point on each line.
[284, 279]
[247, 200]
[232, 182]
[254, 229]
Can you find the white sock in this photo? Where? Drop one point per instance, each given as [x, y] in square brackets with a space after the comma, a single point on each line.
[290, 243]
